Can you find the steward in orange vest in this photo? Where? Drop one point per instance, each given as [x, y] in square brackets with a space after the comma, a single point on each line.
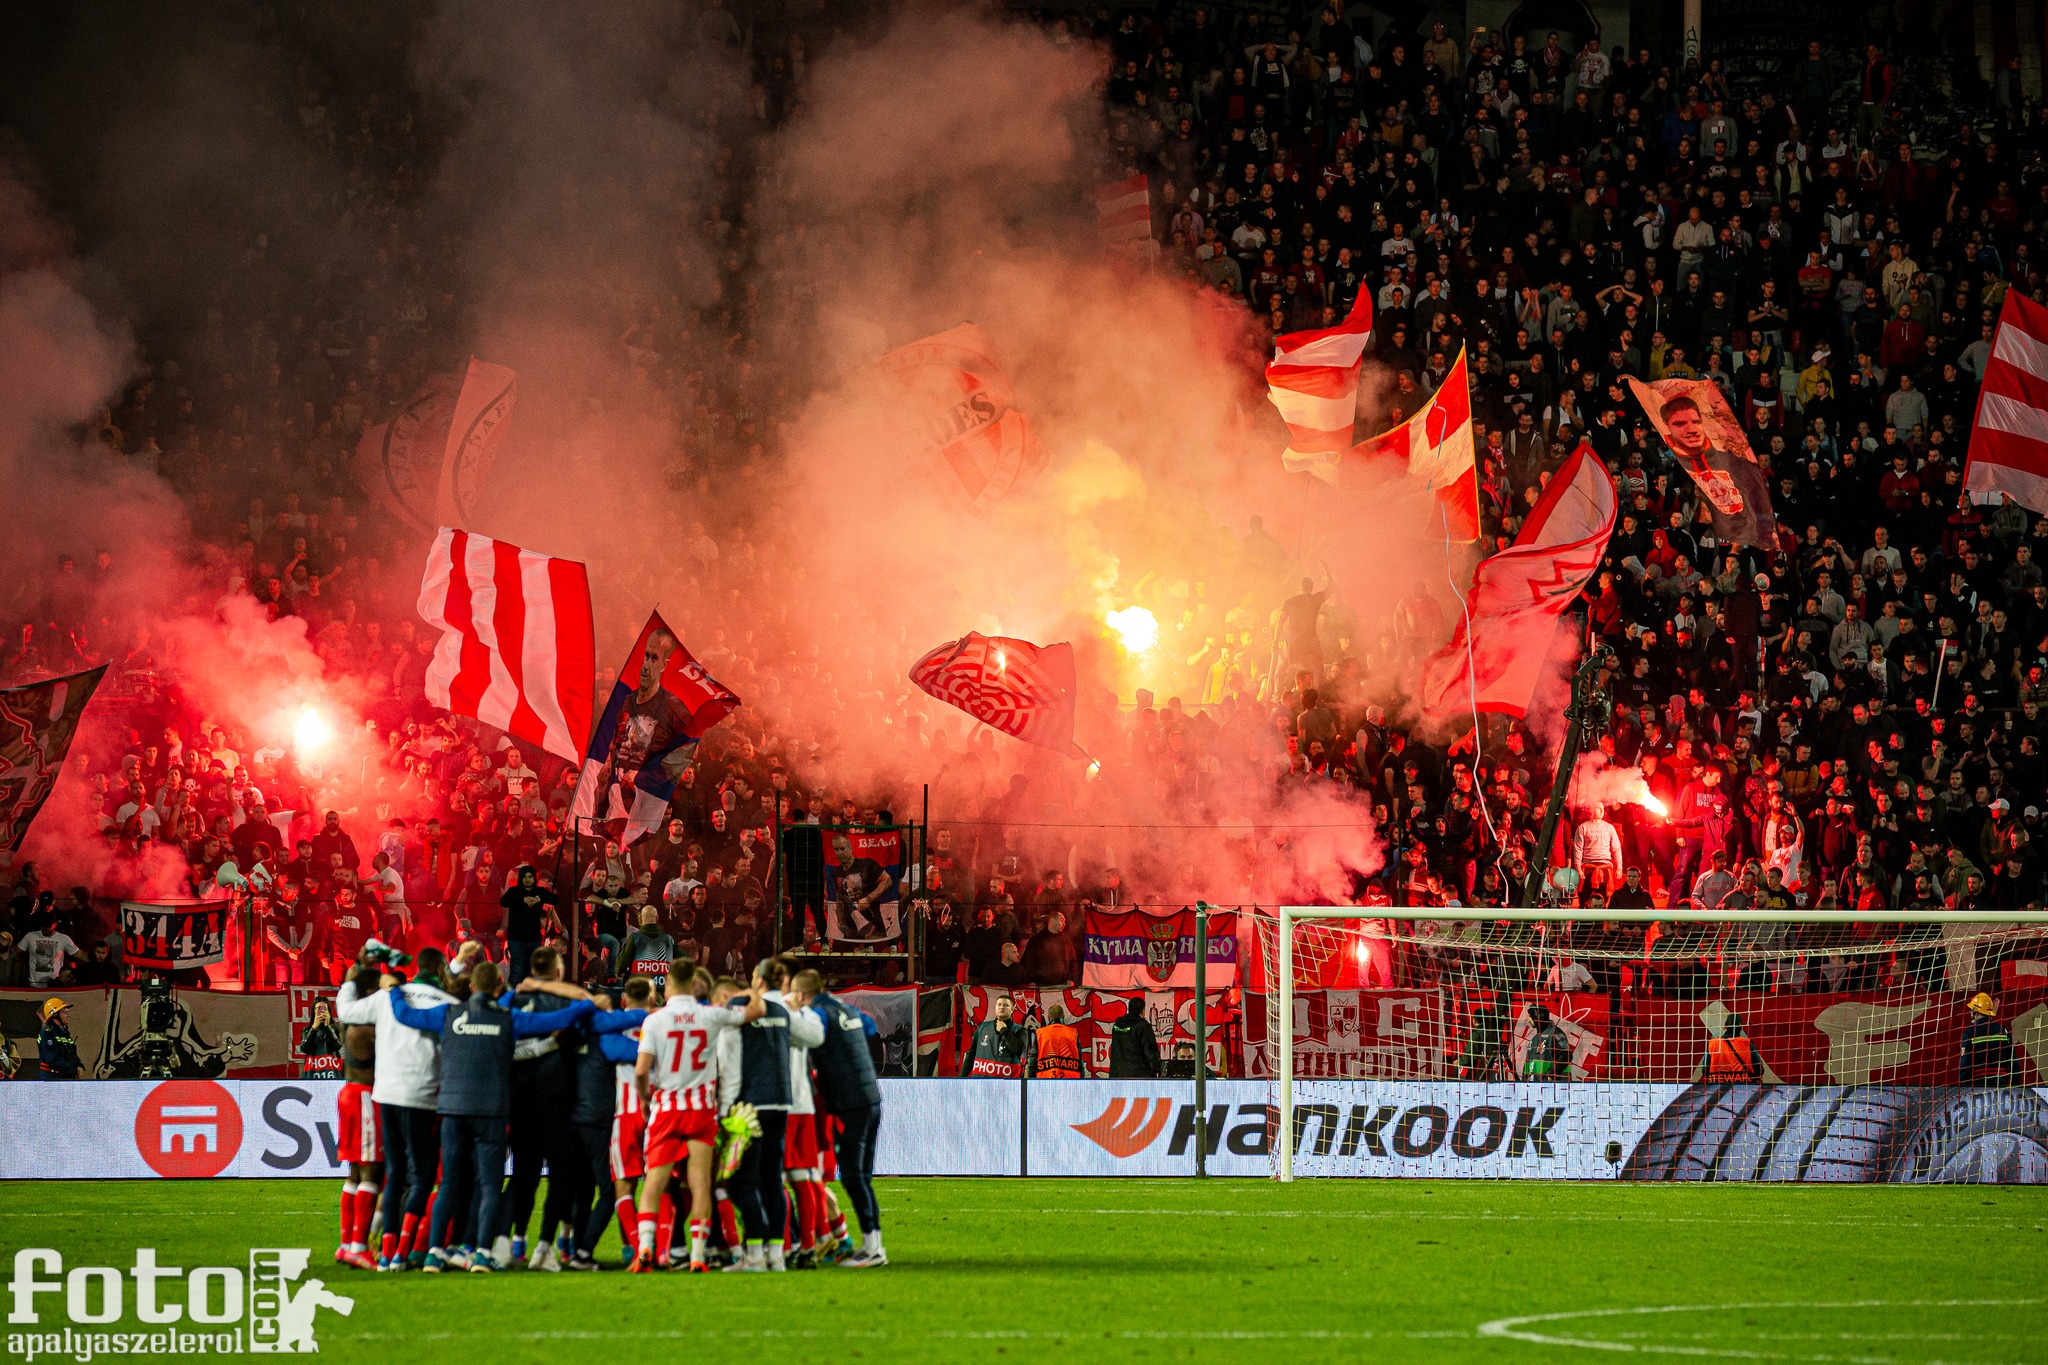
[1059, 1048]
[1730, 1057]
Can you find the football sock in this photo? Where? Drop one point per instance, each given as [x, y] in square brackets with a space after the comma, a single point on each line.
[700, 1233]
[366, 1210]
[348, 1212]
[629, 1220]
[664, 1231]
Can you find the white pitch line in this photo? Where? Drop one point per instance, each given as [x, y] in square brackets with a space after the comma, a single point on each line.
[1514, 1329]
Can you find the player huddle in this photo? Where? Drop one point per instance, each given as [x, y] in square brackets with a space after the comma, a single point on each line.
[721, 1106]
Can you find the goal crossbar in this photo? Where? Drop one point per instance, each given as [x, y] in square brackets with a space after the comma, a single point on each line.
[1288, 915]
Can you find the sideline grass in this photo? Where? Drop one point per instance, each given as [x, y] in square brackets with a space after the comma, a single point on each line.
[1174, 1270]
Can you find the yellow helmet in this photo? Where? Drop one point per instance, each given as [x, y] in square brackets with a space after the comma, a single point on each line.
[1982, 1003]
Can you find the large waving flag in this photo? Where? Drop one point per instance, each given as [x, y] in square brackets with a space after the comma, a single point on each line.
[662, 704]
[1705, 438]
[516, 648]
[36, 726]
[1517, 596]
[428, 462]
[1313, 381]
[952, 387]
[2009, 443]
[1435, 445]
[1022, 689]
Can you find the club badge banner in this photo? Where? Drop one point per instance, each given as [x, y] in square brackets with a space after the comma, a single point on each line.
[36, 726]
[170, 937]
[1128, 951]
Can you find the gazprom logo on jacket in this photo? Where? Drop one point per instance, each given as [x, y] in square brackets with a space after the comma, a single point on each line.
[465, 1025]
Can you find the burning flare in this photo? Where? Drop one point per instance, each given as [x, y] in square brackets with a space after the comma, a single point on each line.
[1136, 628]
[311, 732]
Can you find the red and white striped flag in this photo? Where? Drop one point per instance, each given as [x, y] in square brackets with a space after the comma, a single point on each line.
[1435, 446]
[516, 648]
[2009, 442]
[1518, 594]
[1123, 214]
[1022, 689]
[1313, 380]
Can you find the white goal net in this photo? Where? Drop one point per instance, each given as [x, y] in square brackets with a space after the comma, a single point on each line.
[1653, 1045]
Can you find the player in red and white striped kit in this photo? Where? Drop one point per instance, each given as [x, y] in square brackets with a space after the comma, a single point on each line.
[629, 1129]
[360, 1143]
[677, 1079]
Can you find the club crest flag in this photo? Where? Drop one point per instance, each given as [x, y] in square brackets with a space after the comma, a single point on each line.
[1022, 689]
[1694, 420]
[36, 726]
[1495, 662]
[662, 704]
[428, 462]
[960, 396]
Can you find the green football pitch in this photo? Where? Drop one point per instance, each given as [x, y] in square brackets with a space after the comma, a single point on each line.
[1169, 1270]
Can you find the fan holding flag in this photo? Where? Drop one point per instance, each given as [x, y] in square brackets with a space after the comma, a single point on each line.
[663, 703]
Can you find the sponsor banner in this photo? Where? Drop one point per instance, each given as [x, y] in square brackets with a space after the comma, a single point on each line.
[1130, 951]
[203, 1129]
[171, 936]
[1506, 1130]
[1147, 1128]
[950, 1127]
[172, 1130]
[864, 885]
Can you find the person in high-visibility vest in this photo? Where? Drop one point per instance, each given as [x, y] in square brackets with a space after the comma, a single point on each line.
[1059, 1048]
[1986, 1054]
[1730, 1057]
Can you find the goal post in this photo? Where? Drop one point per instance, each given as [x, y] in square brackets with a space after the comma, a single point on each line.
[1804, 1000]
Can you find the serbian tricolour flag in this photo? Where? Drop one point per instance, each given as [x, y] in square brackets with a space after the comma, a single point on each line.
[2009, 442]
[1313, 380]
[1495, 662]
[1022, 689]
[1435, 446]
[516, 645]
[662, 704]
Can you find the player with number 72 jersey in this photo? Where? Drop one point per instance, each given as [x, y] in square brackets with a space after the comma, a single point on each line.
[682, 1038]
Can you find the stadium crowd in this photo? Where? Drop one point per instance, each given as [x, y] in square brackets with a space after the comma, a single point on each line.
[1852, 716]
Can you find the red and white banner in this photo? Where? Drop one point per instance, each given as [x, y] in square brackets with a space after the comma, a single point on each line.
[2009, 442]
[516, 648]
[1347, 1033]
[954, 391]
[1022, 689]
[1495, 662]
[1123, 213]
[1170, 1012]
[1329, 955]
[1435, 447]
[1129, 950]
[1313, 381]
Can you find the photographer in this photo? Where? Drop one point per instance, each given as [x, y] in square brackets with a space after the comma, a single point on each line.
[1001, 1049]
